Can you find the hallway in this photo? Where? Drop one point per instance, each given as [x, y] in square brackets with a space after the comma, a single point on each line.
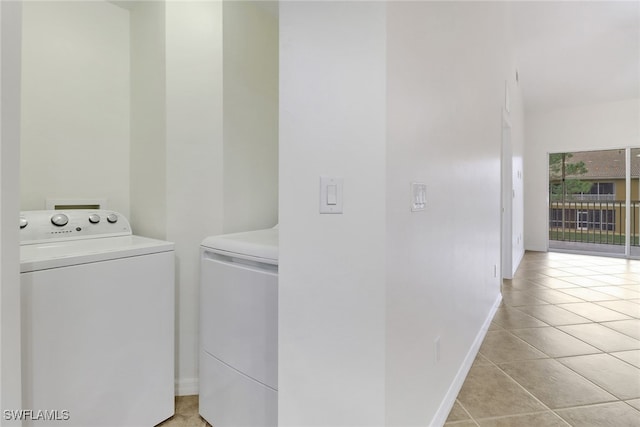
[563, 348]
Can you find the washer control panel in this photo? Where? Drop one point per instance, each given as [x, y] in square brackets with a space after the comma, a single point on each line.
[42, 226]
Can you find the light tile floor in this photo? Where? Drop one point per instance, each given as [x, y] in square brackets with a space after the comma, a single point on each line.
[186, 414]
[563, 348]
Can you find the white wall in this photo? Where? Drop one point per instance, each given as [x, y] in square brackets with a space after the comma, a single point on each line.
[447, 66]
[443, 67]
[194, 156]
[332, 274]
[148, 163]
[75, 103]
[588, 127]
[221, 140]
[10, 361]
[250, 112]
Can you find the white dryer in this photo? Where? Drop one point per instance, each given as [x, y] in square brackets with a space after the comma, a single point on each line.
[239, 329]
[97, 321]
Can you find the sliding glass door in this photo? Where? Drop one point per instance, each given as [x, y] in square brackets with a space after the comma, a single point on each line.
[594, 201]
[634, 214]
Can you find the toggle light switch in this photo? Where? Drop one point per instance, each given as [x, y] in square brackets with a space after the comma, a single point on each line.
[330, 195]
[418, 196]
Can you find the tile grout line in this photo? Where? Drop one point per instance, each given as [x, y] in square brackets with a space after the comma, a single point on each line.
[617, 399]
[568, 367]
[520, 385]
[466, 412]
[532, 273]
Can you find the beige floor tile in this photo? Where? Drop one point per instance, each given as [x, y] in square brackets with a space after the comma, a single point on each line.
[553, 282]
[495, 327]
[603, 296]
[180, 420]
[615, 376]
[553, 296]
[611, 269]
[187, 405]
[632, 357]
[521, 285]
[553, 315]
[602, 337]
[583, 281]
[502, 346]
[556, 272]
[467, 423]
[176, 421]
[615, 414]
[614, 280]
[579, 271]
[634, 403]
[554, 384]
[533, 275]
[627, 327]
[488, 392]
[594, 312]
[481, 360]
[186, 415]
[512, 318]
[554, 342]
[588, 295]
[540, 419]
[626, 307]
[519, 298]
[617, 291]
[457, 413]
[557, 264]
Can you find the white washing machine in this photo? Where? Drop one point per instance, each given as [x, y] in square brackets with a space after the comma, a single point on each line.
[239, 329]
[97, 321]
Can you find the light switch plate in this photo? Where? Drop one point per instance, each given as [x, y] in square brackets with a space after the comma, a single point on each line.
[418, 196]
[330, 195]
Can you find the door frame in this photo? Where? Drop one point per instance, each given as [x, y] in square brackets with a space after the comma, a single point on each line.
[506, 199]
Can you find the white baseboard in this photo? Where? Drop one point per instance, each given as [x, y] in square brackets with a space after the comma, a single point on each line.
[450, 398]
[187, 387]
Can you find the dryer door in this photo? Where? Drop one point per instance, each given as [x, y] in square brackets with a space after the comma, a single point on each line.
[239, 315]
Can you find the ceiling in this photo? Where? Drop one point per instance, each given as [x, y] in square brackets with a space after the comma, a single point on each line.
[573, 53]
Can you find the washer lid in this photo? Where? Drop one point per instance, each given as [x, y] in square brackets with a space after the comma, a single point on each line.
[260, 244]
[42, 256]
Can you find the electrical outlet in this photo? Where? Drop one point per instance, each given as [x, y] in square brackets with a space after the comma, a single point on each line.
[495, 270]
[436, 349]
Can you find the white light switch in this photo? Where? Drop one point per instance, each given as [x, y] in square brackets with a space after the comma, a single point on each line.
[330, 195]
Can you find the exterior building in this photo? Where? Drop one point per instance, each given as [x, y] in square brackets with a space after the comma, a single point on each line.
[593, 208]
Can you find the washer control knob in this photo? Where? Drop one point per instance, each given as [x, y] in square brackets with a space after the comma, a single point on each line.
[112, 218]
[94, 218]
[23, 222]
[59, 220]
